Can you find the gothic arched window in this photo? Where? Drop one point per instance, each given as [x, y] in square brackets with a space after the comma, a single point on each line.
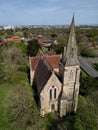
[50, 94]
[54, 93]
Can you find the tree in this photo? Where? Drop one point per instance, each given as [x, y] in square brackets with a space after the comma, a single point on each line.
[86, 117]
[33, 47]
[58, 48]
[78, 124]
[53, 35]
[12, 58]
[21, 107]
[85, 51]
[21, 45]
[62, 39]
[25, 34]
[87, 84]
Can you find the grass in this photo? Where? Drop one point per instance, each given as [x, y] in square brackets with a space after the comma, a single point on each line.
[95, 65]
[4, 92]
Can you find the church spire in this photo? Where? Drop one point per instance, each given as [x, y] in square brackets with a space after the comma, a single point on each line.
[71, 51]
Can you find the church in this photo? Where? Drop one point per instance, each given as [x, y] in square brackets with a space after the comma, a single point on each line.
[57, 78]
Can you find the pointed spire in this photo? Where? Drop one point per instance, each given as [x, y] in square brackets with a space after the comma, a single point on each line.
[71, 53]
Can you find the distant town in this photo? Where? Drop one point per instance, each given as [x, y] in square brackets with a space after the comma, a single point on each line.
[5, 27]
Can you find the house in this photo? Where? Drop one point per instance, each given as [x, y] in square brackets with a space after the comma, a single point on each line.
[46, 42]
[57, 79]
[9, 39]
[16, 38]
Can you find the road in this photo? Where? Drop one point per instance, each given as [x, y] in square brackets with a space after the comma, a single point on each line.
[85, 64]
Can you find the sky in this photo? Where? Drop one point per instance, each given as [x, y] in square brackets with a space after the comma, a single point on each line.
[48, 12]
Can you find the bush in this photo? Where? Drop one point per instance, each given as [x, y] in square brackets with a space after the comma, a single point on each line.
[87, 84]
[95, 65]
[21, 45]
[86, 116]
[19, 76]
[78, 124]
[85, 51]
[21, 107]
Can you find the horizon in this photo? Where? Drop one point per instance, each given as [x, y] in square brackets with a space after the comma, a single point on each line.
[43, 25]
[48, 12]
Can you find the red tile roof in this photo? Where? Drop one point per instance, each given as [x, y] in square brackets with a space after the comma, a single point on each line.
[52, 60]
[16, 38]
[9, 39]
[34, 62]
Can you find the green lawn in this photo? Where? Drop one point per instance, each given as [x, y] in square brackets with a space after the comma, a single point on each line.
[4, 91]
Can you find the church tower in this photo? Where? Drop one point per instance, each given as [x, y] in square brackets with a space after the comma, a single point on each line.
[69, 73]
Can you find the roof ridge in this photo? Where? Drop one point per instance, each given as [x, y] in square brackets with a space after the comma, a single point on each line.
[52, 55]
[47, 64]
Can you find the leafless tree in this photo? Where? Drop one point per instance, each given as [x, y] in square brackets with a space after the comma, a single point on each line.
[21, 107]
[13, 58]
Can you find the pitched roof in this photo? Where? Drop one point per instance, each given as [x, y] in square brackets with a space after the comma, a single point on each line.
[34, 62]
[42, 73]
[52, 60]
[16, 37]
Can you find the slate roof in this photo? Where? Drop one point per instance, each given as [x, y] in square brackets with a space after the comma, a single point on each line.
[52, 60]
[42, 74]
